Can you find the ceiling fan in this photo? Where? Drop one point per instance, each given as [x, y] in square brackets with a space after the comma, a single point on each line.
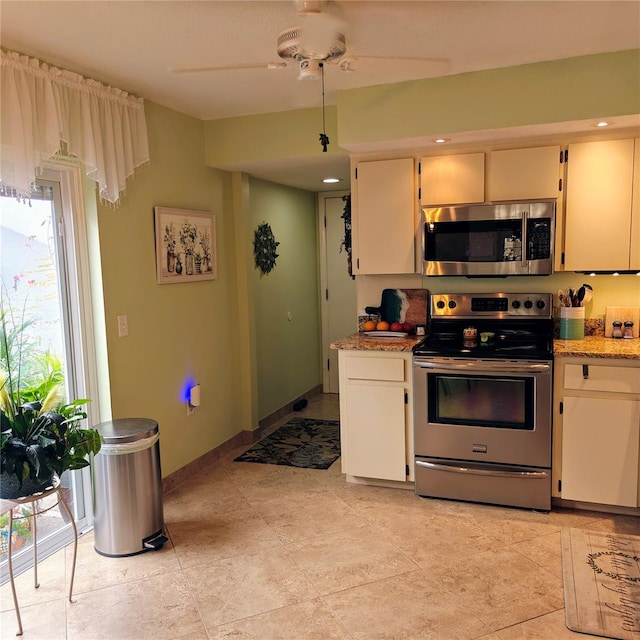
[319, 39]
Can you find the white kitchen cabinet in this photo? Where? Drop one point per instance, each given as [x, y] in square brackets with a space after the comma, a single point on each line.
[452, 180]
[524, 174]
[600, 450]
[384, 217]
[600, 234]
[597, 431]
[375, 415]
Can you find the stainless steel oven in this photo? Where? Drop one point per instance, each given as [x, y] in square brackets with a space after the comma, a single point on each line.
[482, 400]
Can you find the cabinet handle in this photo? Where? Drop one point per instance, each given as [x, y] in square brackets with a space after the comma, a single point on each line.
[585, 371]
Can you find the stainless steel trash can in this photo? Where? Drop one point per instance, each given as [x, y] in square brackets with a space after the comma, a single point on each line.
[127, 488]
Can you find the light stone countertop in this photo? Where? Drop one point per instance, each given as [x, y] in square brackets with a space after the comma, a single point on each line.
[360, 342]
[598, 347]
[588, 347]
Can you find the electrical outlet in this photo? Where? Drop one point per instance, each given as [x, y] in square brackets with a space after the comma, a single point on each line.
[123, 326]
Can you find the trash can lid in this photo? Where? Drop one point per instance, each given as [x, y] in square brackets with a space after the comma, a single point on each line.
[124, 430]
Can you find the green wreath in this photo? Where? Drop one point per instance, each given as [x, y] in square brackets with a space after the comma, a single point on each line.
[264, 248]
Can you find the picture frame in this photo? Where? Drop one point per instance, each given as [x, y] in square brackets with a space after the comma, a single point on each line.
[185, 245]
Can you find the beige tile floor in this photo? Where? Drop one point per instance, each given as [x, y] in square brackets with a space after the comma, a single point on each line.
[264, 552]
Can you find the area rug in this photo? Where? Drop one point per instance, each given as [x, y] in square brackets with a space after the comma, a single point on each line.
[302, 442]
[601, 573]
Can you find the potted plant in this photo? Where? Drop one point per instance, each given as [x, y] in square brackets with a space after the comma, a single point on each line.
[188, 237]
[41, 434]
[170, 242]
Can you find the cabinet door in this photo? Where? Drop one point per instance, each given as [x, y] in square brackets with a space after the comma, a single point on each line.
[598, 205]
[375, 431]
[452, 180]
[524, 174]
[600, 441]
[386, 202]
[634, 258]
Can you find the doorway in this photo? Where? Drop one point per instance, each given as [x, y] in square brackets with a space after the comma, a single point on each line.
[338, 288]
[41, 258]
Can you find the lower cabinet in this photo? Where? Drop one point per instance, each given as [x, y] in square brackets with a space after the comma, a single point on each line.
[375, 414]
[597, 431]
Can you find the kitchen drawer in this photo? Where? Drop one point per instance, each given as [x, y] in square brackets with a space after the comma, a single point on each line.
[388, 369]
[602, 378]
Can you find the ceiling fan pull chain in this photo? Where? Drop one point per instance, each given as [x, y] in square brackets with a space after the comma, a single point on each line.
[324, 138]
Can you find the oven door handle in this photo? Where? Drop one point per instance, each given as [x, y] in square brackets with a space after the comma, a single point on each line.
[532, 475]
[486, 365]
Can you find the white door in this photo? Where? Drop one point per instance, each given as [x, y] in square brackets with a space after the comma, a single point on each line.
[339, 312]
[38, 274]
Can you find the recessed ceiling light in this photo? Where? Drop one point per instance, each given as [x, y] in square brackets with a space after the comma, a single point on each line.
[602, 123]
[331, 180]
[442, 140]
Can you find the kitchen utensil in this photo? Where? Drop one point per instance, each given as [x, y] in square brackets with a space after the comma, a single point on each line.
[588, 293]
[581, 293]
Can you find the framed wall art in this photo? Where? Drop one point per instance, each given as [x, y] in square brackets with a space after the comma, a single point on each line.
[185, 245]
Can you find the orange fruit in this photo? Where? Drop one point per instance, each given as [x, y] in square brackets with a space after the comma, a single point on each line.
[382, 326]
[369, 325]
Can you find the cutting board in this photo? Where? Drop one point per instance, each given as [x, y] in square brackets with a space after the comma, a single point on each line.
[622, 314]
[402, 305]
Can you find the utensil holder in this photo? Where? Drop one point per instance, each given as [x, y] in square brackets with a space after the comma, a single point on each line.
[572, 323]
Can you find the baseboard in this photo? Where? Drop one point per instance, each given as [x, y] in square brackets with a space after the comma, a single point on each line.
[244, 437]
[272, 418]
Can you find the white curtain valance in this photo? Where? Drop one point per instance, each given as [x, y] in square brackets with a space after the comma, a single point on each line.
[43, 107]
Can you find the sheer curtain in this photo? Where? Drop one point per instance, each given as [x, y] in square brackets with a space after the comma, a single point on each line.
[43, 107]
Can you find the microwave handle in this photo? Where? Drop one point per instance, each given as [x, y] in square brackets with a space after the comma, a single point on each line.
[524, 240]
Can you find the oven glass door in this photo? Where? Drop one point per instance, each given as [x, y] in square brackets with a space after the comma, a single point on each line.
[505, 402]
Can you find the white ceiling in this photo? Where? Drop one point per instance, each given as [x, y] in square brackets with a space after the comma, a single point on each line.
[133, 45]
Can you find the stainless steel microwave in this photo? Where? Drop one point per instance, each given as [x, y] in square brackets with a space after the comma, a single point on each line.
[509, 239]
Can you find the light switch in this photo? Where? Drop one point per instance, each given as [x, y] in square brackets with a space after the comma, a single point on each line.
[123, 326]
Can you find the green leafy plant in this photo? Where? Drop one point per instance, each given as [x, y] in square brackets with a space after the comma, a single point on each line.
[40, 433]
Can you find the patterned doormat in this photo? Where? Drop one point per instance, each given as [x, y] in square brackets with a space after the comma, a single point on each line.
[302, 442]
[601, 573]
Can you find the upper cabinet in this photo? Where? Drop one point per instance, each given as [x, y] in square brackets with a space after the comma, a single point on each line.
[452, 180]
[524, 174]
[602, 218]
[384, 217]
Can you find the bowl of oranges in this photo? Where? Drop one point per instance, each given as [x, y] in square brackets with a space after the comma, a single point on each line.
[383, 329]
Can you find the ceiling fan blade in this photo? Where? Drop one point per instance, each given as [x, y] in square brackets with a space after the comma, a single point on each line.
[346, 64]
[229, 67]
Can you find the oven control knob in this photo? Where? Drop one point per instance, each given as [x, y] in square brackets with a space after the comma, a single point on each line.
[440, 304]
[528, 304]
[516, 304]
[540, 304]
[452, 304]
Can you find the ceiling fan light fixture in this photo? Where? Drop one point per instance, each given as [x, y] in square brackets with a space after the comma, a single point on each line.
[310, 69]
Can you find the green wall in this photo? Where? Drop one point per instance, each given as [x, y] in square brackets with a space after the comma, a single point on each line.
[288, 351]
[231, 335]
[269, 137]
[543, 93]
[176, 331]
